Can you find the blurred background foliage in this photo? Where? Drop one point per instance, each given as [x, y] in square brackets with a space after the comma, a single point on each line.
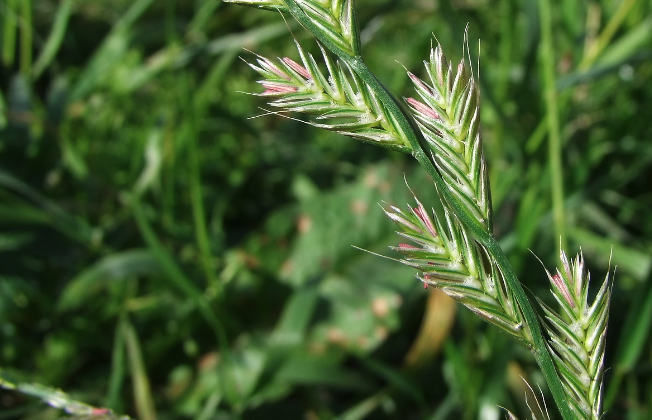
[165, 255]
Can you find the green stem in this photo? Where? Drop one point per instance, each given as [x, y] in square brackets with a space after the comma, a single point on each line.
[26, 38]
[407, 125]
[606, 35]
[9, 33]
[117, 373]
[196, 197]
[142, 389]
[552, 112]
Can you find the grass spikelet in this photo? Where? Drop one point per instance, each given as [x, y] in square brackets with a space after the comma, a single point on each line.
[449, 119]
[340, 97]
[336, 19]
[578, 334]
[449, 259]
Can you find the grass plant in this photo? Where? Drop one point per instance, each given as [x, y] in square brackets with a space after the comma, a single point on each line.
[448, 144]
[168, 252]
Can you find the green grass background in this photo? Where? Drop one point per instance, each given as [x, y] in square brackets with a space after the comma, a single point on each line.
[165, 255]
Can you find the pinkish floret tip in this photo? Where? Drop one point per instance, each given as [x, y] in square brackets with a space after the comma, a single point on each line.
[297, 67]
[420, 211]
[423, 108]
[275, 88]
[418, 81]
[274, 69]
[561, 286]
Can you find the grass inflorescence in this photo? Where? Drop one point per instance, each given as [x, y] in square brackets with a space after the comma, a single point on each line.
[167, 254]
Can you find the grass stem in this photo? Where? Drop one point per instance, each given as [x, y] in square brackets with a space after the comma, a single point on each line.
[26, 38]
[9, 33]
[606, 35]
[142, 389]
[198, 214]
[552, 113]
[117, 374]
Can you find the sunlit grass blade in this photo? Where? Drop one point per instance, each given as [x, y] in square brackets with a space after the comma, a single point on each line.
[55, 38]
[26, 32]
[110, 52]
[59, 399]
[140, 380]
[276, 5]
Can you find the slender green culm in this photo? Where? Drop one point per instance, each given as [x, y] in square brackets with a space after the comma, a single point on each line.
[26, 37]
[552, 116]
[55, 38]
[9, 32]
[196, 196]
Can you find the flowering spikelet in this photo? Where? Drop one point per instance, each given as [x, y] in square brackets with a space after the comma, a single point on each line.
[449, 259]
[450, 122]
[577, 336]
[341, 97]
[334, 18]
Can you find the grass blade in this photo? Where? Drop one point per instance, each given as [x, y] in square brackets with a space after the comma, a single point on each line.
[9, 33]
[55, 38]
[118, 365]
[110, 52]
[142, 390]
[26, 37]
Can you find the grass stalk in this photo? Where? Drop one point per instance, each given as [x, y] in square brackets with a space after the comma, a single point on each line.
[9, 33]
[117, 364]
[198, 214]
[606, 35]
[552, 113]
[54, 40]
[26, 37]
[142, 389]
